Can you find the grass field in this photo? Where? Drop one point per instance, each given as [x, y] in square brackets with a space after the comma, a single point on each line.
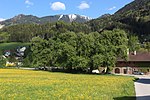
[10, 46]
[37, 85]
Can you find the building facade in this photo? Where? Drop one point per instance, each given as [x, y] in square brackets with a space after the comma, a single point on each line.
[137, 61]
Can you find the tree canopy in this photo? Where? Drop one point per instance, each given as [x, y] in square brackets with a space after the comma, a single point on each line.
[80, 50]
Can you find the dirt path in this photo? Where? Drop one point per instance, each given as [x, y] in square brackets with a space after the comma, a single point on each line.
[142, 88]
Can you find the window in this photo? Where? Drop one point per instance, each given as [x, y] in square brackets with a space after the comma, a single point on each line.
[117, 70]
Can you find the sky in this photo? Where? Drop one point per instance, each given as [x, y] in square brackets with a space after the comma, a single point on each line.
[40, 8]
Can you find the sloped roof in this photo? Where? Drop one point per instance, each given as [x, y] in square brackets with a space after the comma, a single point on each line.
[140, 56]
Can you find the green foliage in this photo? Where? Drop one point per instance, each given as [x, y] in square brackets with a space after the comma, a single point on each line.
[147, 46]
[12, 58]
[114, 45]
[38, 45]
[80, 62]
[143, 64]
[133, 18]
[144, 70]
[133, 43]
[25, 32]
[4, 37]
[2, 61]
[26, 62]
[97, 60]
[110, 68]
[79, 50]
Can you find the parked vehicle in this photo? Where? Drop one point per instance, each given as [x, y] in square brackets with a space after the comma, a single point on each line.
[138, 73]
[43, 68]
[95, 71]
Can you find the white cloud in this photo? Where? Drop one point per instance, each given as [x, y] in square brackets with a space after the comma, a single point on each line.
[28, 3]
[112, 8]
[84, 5]
[58, 6]
[2, 19]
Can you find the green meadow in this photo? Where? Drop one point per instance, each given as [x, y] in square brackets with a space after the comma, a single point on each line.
[18, 84]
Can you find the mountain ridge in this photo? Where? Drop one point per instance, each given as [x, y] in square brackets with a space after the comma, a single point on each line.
[26, 19]
[134, 18]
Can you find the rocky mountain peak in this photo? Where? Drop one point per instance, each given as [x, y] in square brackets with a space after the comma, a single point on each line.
[25, 19]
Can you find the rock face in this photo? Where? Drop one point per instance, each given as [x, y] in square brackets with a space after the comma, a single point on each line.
[26, 19]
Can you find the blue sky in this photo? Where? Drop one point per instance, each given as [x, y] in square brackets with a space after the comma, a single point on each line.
[91, 8]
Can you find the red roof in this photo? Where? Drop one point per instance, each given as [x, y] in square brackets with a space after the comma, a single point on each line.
[140, 56]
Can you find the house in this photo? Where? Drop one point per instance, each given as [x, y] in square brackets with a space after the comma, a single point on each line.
[137, 61]
[15, 56]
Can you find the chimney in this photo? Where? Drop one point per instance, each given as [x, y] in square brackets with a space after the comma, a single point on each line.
[134, 52]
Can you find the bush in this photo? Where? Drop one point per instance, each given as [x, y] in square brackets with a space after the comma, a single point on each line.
[144, 70]
[2, 61]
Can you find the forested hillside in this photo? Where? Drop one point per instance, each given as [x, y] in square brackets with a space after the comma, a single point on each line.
[25, 32]
[134, 18]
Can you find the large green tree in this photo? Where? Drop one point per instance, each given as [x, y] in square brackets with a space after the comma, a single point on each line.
[133, 43]
[79, 50]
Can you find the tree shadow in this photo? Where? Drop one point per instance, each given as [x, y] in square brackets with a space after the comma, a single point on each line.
[144, 81]
[132, 98]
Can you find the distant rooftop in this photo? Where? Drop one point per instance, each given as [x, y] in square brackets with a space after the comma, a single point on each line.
[139, 56]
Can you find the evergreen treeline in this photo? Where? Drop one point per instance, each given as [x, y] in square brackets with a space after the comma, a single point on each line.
[134, 18]
[25, 32]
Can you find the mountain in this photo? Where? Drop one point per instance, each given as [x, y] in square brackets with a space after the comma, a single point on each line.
[1, 26]
[1, 19]
[26, 19]
[136, 8]
[134, 18]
